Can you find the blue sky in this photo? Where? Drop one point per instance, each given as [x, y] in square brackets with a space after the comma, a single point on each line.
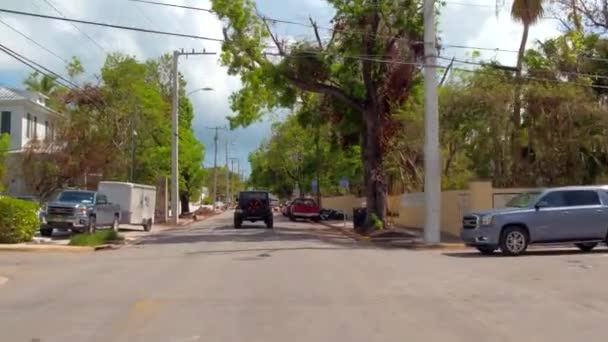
[466, 22]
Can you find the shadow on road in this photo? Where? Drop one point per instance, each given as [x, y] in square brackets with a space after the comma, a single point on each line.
[530, 253]
[251, 233]
[265, 250]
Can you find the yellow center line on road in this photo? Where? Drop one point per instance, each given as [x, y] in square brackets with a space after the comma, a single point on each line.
[140, 313]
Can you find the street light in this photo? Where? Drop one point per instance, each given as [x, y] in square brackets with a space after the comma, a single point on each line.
[200, 89]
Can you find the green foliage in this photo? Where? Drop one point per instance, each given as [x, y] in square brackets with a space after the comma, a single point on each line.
[290, 156]
[5, 145]
[376, 222]
[18, 220]
[98, 238]
[236, 183]
[131, 106]
[75, 68]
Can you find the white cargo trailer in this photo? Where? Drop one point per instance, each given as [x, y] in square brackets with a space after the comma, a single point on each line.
[137, 202]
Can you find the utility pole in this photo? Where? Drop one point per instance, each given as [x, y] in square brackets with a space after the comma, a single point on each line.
[227, 199]
[175, 131]
[318, 162]
[432, 167]
[217, 128]
[133, 137]
[232, 169]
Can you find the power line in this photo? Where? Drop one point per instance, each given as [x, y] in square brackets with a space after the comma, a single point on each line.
[25, 62]
[574, 73]
[33, 41]
[50, 3]
[121, 27]
[12, 52]
[174, 5]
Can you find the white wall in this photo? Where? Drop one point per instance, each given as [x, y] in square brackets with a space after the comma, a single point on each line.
[16, 124]
[41, 117]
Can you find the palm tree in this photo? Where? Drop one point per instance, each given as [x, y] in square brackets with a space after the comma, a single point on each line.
[46, 84]
[528, 12]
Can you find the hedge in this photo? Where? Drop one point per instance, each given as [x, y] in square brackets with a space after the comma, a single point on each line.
[19, 220]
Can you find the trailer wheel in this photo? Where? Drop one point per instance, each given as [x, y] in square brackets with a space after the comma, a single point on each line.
[115, 223]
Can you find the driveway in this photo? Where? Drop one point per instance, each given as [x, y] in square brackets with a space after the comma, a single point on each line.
[300, 282]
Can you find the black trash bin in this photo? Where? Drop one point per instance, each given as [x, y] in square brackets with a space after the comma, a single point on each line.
[359, 216]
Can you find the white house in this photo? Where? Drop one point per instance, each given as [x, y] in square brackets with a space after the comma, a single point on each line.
[24, 116]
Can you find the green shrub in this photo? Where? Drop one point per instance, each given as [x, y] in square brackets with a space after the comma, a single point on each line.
[18, 220]
[377, 222]
[101, 237]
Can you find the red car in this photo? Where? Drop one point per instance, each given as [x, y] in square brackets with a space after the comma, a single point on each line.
[304, 208]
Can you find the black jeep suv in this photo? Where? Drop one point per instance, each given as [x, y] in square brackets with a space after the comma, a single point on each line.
[253, 206]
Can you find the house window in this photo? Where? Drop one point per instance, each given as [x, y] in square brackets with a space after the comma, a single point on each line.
[35, 127]
[46, 130]
[28, 126]
[5, 123]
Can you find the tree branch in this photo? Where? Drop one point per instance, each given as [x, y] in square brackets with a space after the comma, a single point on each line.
[274, 38]
[320, 88]
[316, 29]
[369, 42]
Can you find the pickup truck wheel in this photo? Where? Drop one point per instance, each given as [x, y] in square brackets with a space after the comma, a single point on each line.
[513, 241]
[115, 223]
[270, 223]
[148, 225]
[586, 247]
[486, 250]
[46, 232]
[92, 225]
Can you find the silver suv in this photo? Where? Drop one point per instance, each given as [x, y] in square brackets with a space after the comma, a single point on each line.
[577, 215]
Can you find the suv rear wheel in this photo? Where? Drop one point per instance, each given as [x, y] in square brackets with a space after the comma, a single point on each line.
[270, 223]
[513, 241]
[586, 247]
[238, 223]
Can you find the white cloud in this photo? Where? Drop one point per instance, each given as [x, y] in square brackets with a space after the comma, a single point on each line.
[475, 26]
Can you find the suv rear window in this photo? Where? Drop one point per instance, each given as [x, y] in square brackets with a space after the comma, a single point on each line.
[307, 202]
[581, 197]
[247, 196]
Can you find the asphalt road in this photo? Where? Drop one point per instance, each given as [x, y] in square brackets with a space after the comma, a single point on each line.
[298, 283]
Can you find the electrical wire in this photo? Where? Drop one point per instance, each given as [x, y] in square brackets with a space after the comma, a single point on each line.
[12, 52]
[50, 3]
[121, 27]
[16, 57]
[33, 41]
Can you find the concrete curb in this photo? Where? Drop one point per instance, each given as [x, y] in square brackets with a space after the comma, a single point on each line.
[44, 248]
[414, 245]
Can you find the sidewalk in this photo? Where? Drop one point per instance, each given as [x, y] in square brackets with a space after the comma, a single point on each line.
[412, 238]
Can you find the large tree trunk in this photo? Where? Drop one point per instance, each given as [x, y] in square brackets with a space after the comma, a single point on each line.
[185, 202]
[375, 190]
[516, 144]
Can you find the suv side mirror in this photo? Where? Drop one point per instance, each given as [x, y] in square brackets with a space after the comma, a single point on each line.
[541, 204]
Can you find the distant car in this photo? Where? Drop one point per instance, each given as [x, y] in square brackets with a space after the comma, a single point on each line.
[576, 215]
[286, 209]
[220, 205]
[304, 208]
[253, 206]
